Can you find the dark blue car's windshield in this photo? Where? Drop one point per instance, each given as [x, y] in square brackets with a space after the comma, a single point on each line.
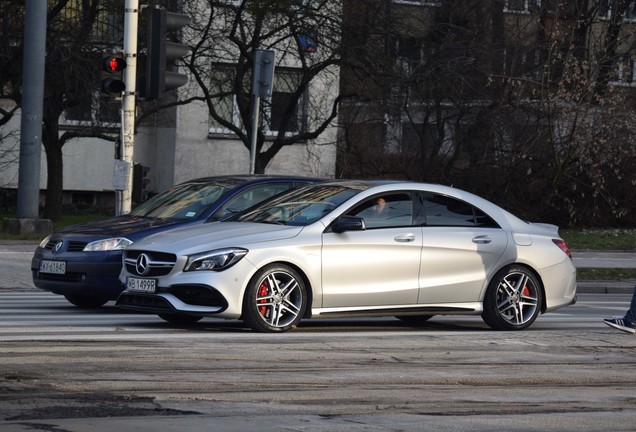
[184, 201]
[301, 206]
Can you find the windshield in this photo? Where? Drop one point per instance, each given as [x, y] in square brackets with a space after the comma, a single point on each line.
[184, 201]
[301, 206]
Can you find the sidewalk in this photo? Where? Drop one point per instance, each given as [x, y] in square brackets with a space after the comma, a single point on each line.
[605, 287]
[605, 259]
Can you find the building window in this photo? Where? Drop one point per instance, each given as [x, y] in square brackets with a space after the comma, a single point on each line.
[282, 109]
[418, 139]
[410, 53]
[419, 2]
[294, 3]
[624, 73]
[224, 101]
[606, 10]
[93, 110]
[524, 62]
[521, 6]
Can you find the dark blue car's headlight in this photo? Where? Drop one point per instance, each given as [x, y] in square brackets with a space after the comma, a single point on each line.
[44, 241]
[117, 243]
[215, 260]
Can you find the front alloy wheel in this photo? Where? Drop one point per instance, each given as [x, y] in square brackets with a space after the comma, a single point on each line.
[513, 299]
[275, 299]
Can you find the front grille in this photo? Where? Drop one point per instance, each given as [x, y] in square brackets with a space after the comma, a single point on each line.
[151, 303]
[76, 246]
[67, 277]
[158, 263]
[71, 246]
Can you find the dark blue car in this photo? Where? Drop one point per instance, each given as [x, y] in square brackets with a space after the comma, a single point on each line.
[82, 262]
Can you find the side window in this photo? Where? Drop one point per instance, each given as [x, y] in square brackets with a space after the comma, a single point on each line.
[441, 210]
[253, 196]
[384, 211]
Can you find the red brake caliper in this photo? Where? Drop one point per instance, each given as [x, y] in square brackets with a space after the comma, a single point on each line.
[526, 291]
[262, 292]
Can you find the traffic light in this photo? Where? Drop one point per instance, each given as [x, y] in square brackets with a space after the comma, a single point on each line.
[141, 180]
[161, 52]
[112, 75]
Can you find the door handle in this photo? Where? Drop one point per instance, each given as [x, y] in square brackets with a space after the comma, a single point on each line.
[482, 240]
[404, 238]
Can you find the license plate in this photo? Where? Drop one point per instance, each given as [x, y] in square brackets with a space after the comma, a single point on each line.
[143, 285]
[55, 267]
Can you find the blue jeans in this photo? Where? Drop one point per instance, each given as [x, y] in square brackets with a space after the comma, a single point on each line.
[631, 313]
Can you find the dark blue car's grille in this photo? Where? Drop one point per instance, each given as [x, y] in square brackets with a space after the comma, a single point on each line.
[76, 246]
[67, 277]
[71, 246]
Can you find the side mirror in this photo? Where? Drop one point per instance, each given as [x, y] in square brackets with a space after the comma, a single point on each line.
[348, 223]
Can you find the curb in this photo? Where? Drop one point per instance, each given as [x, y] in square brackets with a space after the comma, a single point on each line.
[605, 287]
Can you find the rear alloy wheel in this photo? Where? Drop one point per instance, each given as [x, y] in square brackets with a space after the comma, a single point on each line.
[180, 318]
[86, 301]
[513, 299]
[275, 299]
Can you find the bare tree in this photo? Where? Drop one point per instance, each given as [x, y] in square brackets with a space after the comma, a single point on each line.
[523, 106]
[306, 38]
[77, 33]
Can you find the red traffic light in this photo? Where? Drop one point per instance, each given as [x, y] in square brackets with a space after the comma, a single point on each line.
[113, 63]
[112, 74]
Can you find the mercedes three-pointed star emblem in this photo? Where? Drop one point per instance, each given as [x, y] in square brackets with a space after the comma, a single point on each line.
[141, 265]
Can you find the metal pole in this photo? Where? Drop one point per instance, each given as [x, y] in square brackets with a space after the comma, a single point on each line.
[131, 20]
[255, 115]
[32, 100]
[262, 79]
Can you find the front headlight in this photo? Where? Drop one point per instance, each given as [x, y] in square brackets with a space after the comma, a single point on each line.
[45, 241]
[117, 243]
[215, 260]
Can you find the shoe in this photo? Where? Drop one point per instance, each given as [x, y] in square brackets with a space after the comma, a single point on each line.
[621, 324]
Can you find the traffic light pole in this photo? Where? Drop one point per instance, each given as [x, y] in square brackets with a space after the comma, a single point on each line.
[262, 79]
[131, 20]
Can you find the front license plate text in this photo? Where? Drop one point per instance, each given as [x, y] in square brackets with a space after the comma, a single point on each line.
[55, 267]
[143, 285]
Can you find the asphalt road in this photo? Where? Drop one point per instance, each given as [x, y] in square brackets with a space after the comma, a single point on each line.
[66, 369]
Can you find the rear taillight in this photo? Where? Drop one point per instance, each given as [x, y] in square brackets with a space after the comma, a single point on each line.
[563, 246]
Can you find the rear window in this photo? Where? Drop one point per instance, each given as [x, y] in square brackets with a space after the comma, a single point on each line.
[442, 210]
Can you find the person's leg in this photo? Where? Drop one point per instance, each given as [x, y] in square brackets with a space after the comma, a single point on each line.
[628, 322]
[630, 316]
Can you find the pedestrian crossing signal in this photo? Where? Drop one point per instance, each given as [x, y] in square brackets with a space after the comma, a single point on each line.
[113, 66]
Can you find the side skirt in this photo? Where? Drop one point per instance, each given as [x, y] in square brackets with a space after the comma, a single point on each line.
[463, 309]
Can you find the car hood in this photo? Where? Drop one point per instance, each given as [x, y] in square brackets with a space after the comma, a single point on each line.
[120, 226]
[220, 234]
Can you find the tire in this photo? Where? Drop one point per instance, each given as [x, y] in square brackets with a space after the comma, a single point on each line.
[180, 318]
[275, 299]
[415, 320]
[86, 301]
[513, 299]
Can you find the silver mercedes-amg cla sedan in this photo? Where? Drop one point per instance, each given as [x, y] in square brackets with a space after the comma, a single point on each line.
[354, 248]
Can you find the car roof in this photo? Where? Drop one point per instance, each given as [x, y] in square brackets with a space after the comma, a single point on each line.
[239, 179]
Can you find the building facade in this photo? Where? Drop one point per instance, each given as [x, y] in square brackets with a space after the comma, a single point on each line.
[505, 98]
[201, 129]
